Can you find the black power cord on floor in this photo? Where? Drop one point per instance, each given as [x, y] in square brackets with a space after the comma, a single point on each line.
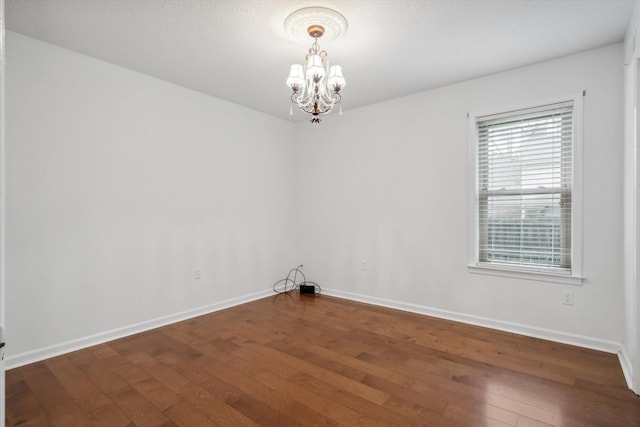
[291, 283]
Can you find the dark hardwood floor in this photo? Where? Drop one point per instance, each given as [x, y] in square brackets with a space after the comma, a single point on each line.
[292, 360]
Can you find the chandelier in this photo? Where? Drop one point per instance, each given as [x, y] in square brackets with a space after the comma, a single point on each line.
[316, 85]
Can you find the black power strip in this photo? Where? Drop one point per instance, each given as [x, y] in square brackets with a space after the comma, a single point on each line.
[307, 290]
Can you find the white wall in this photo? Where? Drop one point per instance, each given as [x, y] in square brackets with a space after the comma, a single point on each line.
[118, 186]
[630, 356]
[389, 183]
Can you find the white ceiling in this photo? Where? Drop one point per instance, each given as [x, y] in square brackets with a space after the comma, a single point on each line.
[237, 50]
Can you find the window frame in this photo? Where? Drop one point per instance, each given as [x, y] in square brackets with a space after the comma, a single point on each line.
[571, 276]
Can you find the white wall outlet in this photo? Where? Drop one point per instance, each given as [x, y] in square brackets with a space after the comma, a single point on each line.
[567, 297]
[196, 273]
[363, 265]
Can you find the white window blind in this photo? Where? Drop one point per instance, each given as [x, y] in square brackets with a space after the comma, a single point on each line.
[525, 165]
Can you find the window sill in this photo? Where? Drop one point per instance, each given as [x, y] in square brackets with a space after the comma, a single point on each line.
[526, 274]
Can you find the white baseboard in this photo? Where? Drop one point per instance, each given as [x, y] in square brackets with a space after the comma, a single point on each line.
[516, 328]
[32, 356]
[532, 331]
[627, 369]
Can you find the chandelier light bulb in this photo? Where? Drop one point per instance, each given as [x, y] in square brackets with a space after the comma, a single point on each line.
[296, 77]
[315, 68]
[336, 80]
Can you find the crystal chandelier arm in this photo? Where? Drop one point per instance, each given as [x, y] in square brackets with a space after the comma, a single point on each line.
[306, 109]
[332, 101]
[306, 101]
[295, 98]
[336, 100]
[306, 104]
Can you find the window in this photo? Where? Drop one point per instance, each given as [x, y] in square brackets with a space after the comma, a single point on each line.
[524, 185]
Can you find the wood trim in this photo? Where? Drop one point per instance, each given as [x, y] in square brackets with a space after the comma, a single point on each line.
[20, 359]
[592, 343]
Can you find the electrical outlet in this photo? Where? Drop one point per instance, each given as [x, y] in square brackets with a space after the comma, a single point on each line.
[196, 273]
[363, 264]
[567, 298]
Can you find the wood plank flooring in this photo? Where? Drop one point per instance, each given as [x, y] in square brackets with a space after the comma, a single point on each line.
[292, 360]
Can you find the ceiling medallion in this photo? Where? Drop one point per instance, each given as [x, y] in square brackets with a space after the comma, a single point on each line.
[334, 24]
[316, 85]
